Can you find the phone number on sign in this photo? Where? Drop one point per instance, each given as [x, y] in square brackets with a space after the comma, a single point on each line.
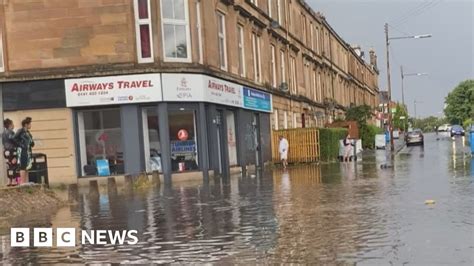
[93, 93]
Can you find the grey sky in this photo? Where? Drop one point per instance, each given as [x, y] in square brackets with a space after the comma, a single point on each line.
[448, 56]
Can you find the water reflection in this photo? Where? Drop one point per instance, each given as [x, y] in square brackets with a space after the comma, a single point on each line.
[318, 214]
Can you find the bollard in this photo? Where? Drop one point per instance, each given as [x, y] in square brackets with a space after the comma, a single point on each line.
[111, 186]
[73, 195]
[93, 188]
[128, 182]
[155, 178]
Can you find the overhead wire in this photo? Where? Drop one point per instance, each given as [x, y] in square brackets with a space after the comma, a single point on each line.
[419, 12]
[411, 11]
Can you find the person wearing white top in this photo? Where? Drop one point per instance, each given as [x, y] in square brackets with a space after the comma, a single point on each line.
[283, 149]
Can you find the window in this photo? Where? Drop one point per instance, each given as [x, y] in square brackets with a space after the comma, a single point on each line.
[151, 139]
[285, 119]
[303, 26]
[241, 47]
[317, 41]
[29, 95]
[273, 67]
[293, 75]
[282, 66]
[320, 90]
[221, 41]
[100, 138]
[256, 57]
[183, 139]
[311, 36]
[255, 2]
[143, 31]
[279, 11]
[270, 4]
[199, 30]
[314, 86]
[175, 28]
[275, 117]
[2, 64]
[295, 122]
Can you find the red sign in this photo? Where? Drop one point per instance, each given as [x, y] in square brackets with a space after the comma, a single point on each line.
[183, 134]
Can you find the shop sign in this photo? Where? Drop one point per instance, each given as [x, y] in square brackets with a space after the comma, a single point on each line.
[113, 90]
[202, 88]
[257, 100]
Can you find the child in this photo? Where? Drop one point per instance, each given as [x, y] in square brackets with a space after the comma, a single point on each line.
[9, 151]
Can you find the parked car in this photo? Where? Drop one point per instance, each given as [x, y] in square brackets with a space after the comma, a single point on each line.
[457, 130]
[444, 128]
[415, 137]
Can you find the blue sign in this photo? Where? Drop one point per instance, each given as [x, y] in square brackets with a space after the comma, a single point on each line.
[257, 100]
[103, 168]
[183, 147]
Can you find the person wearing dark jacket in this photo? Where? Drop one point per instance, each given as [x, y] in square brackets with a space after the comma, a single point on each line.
[25, 143]
[9, 150]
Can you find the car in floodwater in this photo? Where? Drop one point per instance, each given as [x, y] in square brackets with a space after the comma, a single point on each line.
[415, 137]
[444, 128]
[457, 130]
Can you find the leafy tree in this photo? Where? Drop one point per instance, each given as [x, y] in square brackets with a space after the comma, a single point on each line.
[359, 113]
[400, 111]
[429, 124]
[460, 103]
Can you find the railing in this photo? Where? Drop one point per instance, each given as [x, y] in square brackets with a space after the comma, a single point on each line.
[303, 144]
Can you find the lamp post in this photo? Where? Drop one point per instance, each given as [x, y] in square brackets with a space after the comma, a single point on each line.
[407, 75]
[389, 85]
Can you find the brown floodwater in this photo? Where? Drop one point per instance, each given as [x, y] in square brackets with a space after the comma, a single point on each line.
[327, 214]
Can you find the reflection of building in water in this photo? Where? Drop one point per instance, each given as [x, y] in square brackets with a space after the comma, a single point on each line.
[321, 222]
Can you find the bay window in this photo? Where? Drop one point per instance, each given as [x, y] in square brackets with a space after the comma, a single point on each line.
[175, 28]
[221, 39]
[241, 47]
[143, 31]
[256, 57]
[2, 66]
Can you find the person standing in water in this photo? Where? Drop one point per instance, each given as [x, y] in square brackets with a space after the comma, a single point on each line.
[283, 149]
[25, 143]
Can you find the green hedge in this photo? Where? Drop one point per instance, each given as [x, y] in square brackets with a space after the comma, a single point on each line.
[367, 134]
[329, 142]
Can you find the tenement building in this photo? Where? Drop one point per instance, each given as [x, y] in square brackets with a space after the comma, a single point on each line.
[184, 87]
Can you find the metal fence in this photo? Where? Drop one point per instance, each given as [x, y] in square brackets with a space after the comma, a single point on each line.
[303, 144]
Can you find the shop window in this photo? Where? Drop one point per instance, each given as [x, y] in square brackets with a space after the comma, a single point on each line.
[100, 138]
[183, 138]
[151, 140]
[176, 35]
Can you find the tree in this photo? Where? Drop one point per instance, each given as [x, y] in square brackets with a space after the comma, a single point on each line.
[359, 113]
[460, 103]
[398, 122]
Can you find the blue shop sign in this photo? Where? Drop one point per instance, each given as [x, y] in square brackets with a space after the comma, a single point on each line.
[257, 100]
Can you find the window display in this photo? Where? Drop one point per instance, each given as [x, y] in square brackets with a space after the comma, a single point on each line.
[101, 142]
[183, 138]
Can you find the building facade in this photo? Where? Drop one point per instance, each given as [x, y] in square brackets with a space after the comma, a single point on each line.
[124, 86]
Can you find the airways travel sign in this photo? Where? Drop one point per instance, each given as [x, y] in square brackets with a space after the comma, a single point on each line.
[113, 90]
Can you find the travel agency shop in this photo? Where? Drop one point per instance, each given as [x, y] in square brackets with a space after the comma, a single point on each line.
[178, 124]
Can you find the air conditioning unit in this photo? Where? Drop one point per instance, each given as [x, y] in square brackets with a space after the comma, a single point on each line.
[284, 86]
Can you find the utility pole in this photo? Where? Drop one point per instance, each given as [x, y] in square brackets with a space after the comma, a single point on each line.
[403, 90]
[389, 87]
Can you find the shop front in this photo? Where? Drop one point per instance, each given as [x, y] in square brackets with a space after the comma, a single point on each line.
[171, 123]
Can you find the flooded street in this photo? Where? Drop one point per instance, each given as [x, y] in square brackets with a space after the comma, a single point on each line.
[332, 213]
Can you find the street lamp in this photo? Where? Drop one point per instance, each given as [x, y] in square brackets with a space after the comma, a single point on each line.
[389, 85]
[407, 75]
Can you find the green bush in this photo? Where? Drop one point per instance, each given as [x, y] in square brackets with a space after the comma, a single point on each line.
[367, 134]
[329, 142]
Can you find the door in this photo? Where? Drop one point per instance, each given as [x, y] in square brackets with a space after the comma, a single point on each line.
[256, 135]
[221, 134]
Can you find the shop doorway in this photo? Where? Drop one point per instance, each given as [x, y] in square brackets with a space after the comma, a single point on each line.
[256, 137]
[221, 134]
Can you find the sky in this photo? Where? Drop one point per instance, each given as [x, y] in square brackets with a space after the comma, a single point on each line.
[447, 57]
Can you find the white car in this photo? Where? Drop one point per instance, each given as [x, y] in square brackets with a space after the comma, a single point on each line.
[444, 128]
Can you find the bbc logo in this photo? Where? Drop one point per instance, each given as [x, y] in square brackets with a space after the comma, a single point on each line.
[66, 237]
[43, 237]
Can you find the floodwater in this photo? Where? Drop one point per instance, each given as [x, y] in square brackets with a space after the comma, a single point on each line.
[328, 214]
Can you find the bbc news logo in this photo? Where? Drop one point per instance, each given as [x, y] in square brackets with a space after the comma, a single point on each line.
[66, 237]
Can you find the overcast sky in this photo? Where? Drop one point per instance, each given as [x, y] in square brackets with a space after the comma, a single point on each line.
[448, 57]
